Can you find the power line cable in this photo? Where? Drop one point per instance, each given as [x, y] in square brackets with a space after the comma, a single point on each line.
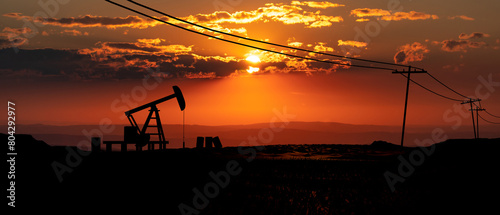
[283, 46]
[491, 114]
[498, 123]
[446, 86]
[264, 42]
[246, 45]
[425, 88]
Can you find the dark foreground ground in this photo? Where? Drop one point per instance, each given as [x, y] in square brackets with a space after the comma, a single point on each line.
[453, 176]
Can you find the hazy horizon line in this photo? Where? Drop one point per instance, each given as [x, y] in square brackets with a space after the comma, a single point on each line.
[247, 124]
[243, 124]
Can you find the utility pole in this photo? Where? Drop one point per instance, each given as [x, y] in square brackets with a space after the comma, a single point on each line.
[409, 72]
[471, 102]
[477, 109]
[183, 128]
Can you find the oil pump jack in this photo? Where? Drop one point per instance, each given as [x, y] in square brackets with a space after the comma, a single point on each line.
[139, 136]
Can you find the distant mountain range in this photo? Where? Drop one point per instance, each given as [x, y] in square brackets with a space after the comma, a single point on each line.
[234, 135]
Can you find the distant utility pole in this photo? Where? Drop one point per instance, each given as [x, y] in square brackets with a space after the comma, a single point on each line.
[409, 72]
[477, 109]
[471, 102]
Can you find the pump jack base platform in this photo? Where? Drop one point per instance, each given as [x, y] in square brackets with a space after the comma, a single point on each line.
[151, 145]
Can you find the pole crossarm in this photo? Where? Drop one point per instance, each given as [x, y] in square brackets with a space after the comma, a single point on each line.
[405, 72]
[477, 109]
[470, 101]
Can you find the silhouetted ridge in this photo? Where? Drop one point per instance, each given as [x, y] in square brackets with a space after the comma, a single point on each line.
[27, 143]
[383, 144]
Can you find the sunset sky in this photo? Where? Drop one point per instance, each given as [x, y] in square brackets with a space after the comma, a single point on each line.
[91, 60]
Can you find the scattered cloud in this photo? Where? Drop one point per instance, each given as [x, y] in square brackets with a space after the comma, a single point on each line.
[369, 12]
[313, 4]
[463, 17]
[120, 60]
[18, 16]
[322, 48]
[412, 15]
[15, 31]
[225, 59]
[200, 75]
[142, 46]
[73, 32]
[295, 44]
[410, 53]
[352, 43]
[286, 14]
[388, 16]
[362, 20]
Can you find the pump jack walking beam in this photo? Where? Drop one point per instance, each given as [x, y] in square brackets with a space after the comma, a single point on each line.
[143, 138]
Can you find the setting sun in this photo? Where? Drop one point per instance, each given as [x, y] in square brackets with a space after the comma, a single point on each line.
[253, 59]
[252, 69]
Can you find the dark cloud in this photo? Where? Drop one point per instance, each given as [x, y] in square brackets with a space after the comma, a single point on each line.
[131, 46]
[10, 37]
[410, 53]
[463, 44]
[368, 12]
[97, 21]
[58, 64]
[475, 35]
[132, 60]
[13, 42]
[90, 21]
[460, 45]
[53, 64]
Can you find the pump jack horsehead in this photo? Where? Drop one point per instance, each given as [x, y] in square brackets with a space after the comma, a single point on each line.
[140, 136]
